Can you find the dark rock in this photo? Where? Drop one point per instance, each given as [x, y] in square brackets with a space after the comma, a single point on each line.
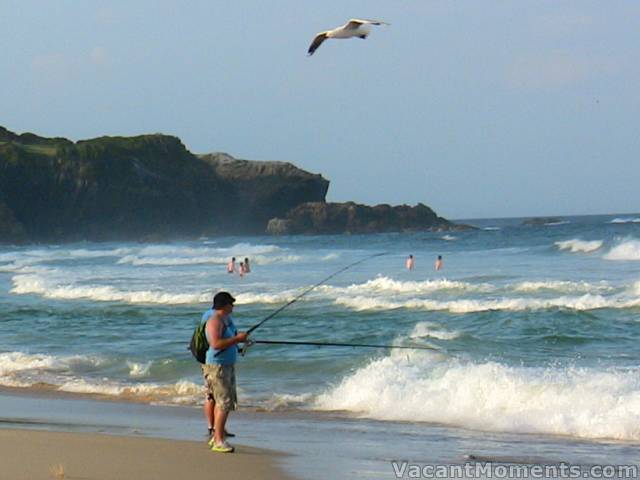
[264, 190]
[10, 229]
[335, 218]
[537, 221]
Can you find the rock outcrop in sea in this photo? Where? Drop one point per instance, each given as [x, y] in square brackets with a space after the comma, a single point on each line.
[150, 187]
[349, 217]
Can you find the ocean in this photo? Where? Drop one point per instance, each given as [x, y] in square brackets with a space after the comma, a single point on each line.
[534, 330]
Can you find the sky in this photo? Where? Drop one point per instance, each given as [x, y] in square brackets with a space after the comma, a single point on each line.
[477, 108]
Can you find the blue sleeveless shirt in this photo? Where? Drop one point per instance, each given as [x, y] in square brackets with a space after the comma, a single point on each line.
[228, 355]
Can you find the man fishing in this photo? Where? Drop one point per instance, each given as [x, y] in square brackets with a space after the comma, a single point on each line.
[219, 369]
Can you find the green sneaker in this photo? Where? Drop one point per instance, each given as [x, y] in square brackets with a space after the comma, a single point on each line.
[223, 447]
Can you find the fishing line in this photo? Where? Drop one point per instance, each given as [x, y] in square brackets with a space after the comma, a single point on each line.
[333, 344]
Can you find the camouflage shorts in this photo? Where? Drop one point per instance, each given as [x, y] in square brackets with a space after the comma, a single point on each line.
[220, 385]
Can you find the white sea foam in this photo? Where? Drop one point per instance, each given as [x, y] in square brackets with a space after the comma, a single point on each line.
[18, 369]
[137, 370]
[626, 220]
[181, 392]
[584, 302]
[269, 298]
[386, 284]
[627, 249]
[33, 284]
[562, 286]
[11, 362]
[576, 245]
[449, 238]
[581, 402]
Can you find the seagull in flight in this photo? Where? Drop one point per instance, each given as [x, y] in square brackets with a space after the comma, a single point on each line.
[353, 28]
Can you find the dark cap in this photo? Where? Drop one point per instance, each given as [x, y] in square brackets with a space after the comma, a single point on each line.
[222, 299]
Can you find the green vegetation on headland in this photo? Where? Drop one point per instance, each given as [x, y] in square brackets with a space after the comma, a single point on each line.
[151, 187]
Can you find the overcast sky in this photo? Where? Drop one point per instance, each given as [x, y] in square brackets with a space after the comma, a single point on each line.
[478, 108]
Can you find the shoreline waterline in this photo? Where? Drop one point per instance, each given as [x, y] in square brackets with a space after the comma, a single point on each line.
[303, 440]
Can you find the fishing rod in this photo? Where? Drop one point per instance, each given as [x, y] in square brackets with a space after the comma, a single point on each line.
[269, 317]
[273, 314]
[333, 344]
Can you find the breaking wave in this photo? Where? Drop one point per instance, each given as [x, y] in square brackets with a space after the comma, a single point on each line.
[576, 245]
[18, 369]
[626, 220]
[628, 249]
[33, 284]
[562, 286]
[386, 284]
[581, 402]
[582, 303]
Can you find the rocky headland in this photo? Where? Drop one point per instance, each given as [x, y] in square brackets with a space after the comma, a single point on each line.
[150, 187]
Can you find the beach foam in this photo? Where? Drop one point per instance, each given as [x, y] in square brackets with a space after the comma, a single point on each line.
[581, 402]
[181, 392]
[576, 245]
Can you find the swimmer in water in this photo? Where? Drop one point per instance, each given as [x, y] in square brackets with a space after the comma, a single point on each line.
[438, 265]
[410, 262]
[231, 266]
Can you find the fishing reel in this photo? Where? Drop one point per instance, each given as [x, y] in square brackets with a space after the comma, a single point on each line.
[248, 343]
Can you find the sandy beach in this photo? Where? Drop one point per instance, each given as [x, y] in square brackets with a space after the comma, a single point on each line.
[35, 455]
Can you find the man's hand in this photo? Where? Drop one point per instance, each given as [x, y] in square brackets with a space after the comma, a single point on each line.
[241, 337]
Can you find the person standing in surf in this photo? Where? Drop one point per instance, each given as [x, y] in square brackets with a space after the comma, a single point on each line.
[219, 369]
[410, 263]
[231, 266]
[247, 268]
[438, 264]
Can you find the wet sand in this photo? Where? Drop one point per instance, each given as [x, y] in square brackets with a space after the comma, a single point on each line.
[35, 455]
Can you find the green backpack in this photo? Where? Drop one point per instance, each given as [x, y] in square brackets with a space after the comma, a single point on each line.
[199, 344]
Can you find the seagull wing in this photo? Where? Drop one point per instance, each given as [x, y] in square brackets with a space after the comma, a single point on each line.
[321, 37]
[356, 23]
